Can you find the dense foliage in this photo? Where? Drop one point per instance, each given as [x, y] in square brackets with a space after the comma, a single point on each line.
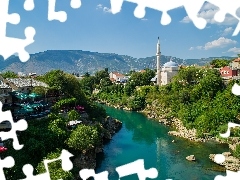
[9, 74]
[197, 96]
[46, 137]
[218, 63]
[84, 138]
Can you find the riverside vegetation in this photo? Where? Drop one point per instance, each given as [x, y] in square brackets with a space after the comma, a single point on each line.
[45, 138]
[197, 102]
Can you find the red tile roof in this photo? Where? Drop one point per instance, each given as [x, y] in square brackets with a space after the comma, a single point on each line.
[117, 74]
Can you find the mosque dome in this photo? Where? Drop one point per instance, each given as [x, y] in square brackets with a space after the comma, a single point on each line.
[170, 64]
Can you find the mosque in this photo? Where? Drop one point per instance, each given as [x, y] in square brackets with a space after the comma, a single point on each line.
[166, 73]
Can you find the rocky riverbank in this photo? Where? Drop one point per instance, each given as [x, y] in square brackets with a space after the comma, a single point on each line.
[231, 163]
[154, 111]
[161, 115]
[87, 159]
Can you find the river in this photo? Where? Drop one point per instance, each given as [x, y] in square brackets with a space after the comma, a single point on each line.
[141, 138]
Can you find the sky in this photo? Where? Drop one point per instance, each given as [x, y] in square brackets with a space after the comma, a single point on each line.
[93, 27]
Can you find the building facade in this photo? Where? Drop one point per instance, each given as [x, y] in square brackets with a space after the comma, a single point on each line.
[169, 70]
[228, 72]
[118, 77]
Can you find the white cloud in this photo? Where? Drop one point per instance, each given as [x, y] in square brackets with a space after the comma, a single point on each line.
[99, 6]
[207, 12]
[186, 19]
[227, 31]
[208, 6]
[105, 9]
[198, 47]
[219, 43]
[234, 50]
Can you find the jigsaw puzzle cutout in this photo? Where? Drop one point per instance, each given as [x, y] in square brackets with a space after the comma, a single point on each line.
[230, 175]
[87, 173]
[10, 45]
[21, 125]
[227, 7]
[60, 15]
[192, 8]
[137, 167]
[8, 162]
[67, 165]
[29, 5]
[220, 158]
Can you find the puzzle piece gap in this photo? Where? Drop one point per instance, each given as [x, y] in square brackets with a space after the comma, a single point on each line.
[53, 15]
[75, 4]
[29, 5]
[7, 162]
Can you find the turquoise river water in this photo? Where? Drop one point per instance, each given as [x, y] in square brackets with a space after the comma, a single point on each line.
[142, 138]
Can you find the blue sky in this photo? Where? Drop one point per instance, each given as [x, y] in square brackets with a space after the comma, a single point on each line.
[93, 27]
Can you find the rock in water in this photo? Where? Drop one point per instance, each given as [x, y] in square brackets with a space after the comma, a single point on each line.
[191, 158]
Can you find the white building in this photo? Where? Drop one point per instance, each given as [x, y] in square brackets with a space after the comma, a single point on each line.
[166, 73]
[116, 76]
[168, 70]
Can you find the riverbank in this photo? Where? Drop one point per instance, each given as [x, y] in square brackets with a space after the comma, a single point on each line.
[158, 113]
[87, 159]
[231, 163]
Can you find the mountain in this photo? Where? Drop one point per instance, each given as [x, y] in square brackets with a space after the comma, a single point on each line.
[79, 61]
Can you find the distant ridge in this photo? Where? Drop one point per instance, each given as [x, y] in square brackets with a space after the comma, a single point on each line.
[79, 61]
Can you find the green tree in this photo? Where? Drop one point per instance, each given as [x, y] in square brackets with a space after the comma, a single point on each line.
[73, 115]
[101, 75]
[86, 74]
[9, 74]
[218, 63]
[84, 138]
[88, 84]
[55, 168]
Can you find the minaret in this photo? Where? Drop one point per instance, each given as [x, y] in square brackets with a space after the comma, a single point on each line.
[158, 64]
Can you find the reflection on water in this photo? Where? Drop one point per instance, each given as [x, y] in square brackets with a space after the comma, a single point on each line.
[141, 138]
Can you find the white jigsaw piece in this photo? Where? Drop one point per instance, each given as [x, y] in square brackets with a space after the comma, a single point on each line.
[9, 45]
[230, 175]
[87, 173]
[192, 8]
[227, 7]
[60, 15]
[137, 167]
[7, 162]
[21, 125]
[29, 5]
[67, 165]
